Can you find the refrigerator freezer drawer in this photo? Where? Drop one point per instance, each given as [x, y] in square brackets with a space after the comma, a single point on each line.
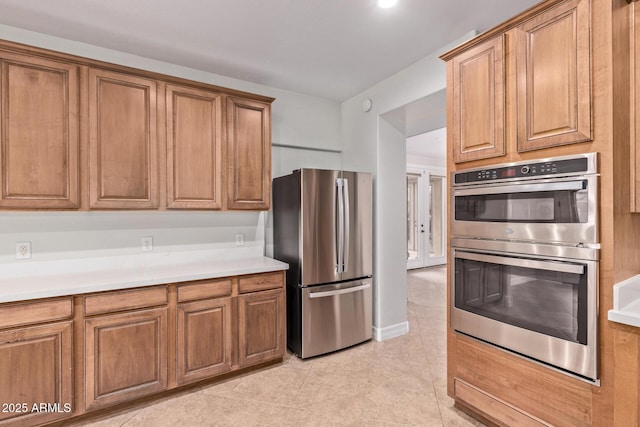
[335, 316]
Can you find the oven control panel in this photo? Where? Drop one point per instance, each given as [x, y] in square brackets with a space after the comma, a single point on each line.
[523, 170]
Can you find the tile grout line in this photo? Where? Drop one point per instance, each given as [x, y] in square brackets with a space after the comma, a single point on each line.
[426, 356]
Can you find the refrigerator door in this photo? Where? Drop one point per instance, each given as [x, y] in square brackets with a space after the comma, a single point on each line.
[358, 246]
[335, 316]
[320, 227]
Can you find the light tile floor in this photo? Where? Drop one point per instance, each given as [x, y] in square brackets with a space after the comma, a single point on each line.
[401, 381]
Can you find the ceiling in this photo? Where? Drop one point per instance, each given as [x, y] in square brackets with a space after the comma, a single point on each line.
[329, 48]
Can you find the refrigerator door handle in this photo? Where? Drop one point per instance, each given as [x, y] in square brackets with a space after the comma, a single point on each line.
[340, 240]
[339, 291]
[347, 216]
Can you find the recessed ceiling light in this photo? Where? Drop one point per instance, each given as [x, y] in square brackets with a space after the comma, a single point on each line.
[387, 3]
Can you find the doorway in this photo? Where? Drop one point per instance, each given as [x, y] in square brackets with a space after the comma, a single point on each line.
[422, 122]
[426, 215]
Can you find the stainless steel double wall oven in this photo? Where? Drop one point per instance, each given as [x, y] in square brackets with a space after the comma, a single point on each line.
[524, 258]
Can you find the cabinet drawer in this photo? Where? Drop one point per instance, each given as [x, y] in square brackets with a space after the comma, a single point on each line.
[260, 282]
[124, 300]
[28, 313]
[495, 408]
[204, 289]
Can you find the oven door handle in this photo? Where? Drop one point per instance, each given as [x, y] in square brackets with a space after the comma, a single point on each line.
[522, 188]
[563, 267]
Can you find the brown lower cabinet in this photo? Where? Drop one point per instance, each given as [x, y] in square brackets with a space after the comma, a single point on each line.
[261, 317]
[203, 339]
[36, 371]
[118, 346]
[125, 356]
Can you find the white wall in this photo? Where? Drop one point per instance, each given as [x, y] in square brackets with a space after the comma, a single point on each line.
[428, 149]
[371, 144]
[298, 120]
[287, 159]
[426, 162]
[58, 235]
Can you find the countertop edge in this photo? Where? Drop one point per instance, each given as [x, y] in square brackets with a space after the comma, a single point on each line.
[631, 319]
[626, 302]
[253, 266]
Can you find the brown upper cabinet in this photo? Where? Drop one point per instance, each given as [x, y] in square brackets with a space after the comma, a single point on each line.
[554, 77]
[194, 148]
[478, 94]
[39, 133]
[123, 144]
[76, 133]
[524, 86]
[248, 154]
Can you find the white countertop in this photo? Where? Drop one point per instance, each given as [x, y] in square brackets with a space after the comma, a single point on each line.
[626, 302]
[45, 279]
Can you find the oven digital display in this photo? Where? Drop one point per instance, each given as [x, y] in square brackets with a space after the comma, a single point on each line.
[508, 173]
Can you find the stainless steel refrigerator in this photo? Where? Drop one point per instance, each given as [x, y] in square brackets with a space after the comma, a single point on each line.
[323, 226]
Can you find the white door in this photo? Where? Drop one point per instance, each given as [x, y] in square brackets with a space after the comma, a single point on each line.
[436, 220]
[426, 217]
[415, 226]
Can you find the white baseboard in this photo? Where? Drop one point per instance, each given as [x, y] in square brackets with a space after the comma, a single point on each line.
[382, 334]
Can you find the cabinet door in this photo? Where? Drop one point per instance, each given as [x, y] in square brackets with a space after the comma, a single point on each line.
[478, 102]
[248, 154]
[554, 77]
[36, 369]
[261, 326]
[635, 107]
[38, 133]
[125, 356]
[194, 148]
[123, 164]
[203, 339]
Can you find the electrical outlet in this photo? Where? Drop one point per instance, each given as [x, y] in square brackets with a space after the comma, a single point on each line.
[239, 239]
[23, 250]
[147, 243]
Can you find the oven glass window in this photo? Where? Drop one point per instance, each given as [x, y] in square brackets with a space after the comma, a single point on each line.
[565, 206]
[553, 303]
